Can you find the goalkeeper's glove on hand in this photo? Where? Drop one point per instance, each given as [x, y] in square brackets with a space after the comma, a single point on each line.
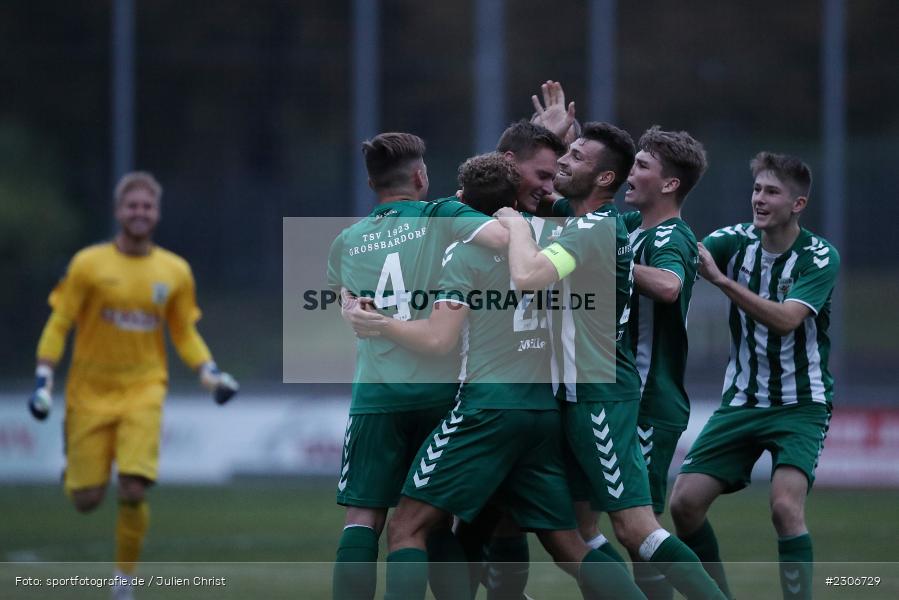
[41, 400]
[221, 384]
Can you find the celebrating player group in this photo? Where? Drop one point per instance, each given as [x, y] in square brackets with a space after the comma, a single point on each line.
[541, 380]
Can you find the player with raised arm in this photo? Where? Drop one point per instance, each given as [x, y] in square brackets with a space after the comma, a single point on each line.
[118, 296]
[397, 395]
[503, 439]
[667, 166]
[600, 419]
[535, 152]
[778, 390]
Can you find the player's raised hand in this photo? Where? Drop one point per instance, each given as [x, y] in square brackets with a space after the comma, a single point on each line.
[708, 270]
[41, 400]
[552, 113]
[222, 385]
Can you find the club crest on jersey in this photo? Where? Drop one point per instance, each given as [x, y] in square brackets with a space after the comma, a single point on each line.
[784, 284]
[160, 292]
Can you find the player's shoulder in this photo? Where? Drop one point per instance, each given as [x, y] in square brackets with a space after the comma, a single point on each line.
[674, 229]
[607, 212]
[814, 249]
[90, 257]
[632, 220]
[170, 260]
[741, 232]
[450, 207]
[470, 255]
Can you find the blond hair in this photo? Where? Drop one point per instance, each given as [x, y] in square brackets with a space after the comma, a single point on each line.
[136, 179]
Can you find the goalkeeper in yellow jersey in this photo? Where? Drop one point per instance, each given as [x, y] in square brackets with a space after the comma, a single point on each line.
[118, 296]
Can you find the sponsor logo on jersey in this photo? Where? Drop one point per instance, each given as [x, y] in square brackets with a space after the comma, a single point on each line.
[130, 320]
[531, 344]
[160, 292]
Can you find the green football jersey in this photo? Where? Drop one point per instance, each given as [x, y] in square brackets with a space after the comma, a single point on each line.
[393, 255]
[766, 369]
[657, 331]
[545, 231]
[588, 350]
[505, 343]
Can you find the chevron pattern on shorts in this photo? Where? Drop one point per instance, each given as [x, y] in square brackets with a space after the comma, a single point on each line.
[341, 484]
[607, 456]
[428, 463]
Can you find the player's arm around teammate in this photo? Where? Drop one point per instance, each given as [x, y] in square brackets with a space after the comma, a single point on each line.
[778, 393]
[782, 318]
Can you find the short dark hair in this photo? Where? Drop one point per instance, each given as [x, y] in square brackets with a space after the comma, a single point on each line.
[389, 156]
[788, 168]
[489, 182]
[524, 139]
[681, 155]
[620, 150]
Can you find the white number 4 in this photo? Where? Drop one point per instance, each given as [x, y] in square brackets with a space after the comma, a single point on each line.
[392, 272]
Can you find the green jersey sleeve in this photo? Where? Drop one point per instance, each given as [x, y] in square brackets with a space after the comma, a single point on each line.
[579, 239]
[816, 278]
[334, 258]
[458, 278]
[465, 221]
[723, 243]
[676, 253]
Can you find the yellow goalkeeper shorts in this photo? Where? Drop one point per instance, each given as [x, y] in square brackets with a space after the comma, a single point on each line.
[128, 435]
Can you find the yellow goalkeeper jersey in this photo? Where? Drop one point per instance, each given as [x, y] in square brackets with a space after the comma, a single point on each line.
[118, 304]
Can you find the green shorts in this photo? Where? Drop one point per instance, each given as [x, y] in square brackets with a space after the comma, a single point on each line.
[605, 464]
[657, 443]
[511, 457]
[735, 437]
[377, 452]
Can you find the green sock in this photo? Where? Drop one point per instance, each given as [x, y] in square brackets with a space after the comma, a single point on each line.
[682, 569]
[602, 578]
[704, 543]
[602, 544]
[355, 569]
[407, 574]
[796, 562]
[651, 582]
[447, 566]
[507, 571]
[474, 538]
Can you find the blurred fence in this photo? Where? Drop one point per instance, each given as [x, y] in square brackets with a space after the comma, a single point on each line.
[243, 111]
[302, 436]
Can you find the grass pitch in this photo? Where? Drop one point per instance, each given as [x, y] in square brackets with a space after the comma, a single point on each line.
[275, 539]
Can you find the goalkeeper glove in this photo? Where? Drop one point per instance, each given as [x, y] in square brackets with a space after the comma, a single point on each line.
[221, 384]
[41, 400]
